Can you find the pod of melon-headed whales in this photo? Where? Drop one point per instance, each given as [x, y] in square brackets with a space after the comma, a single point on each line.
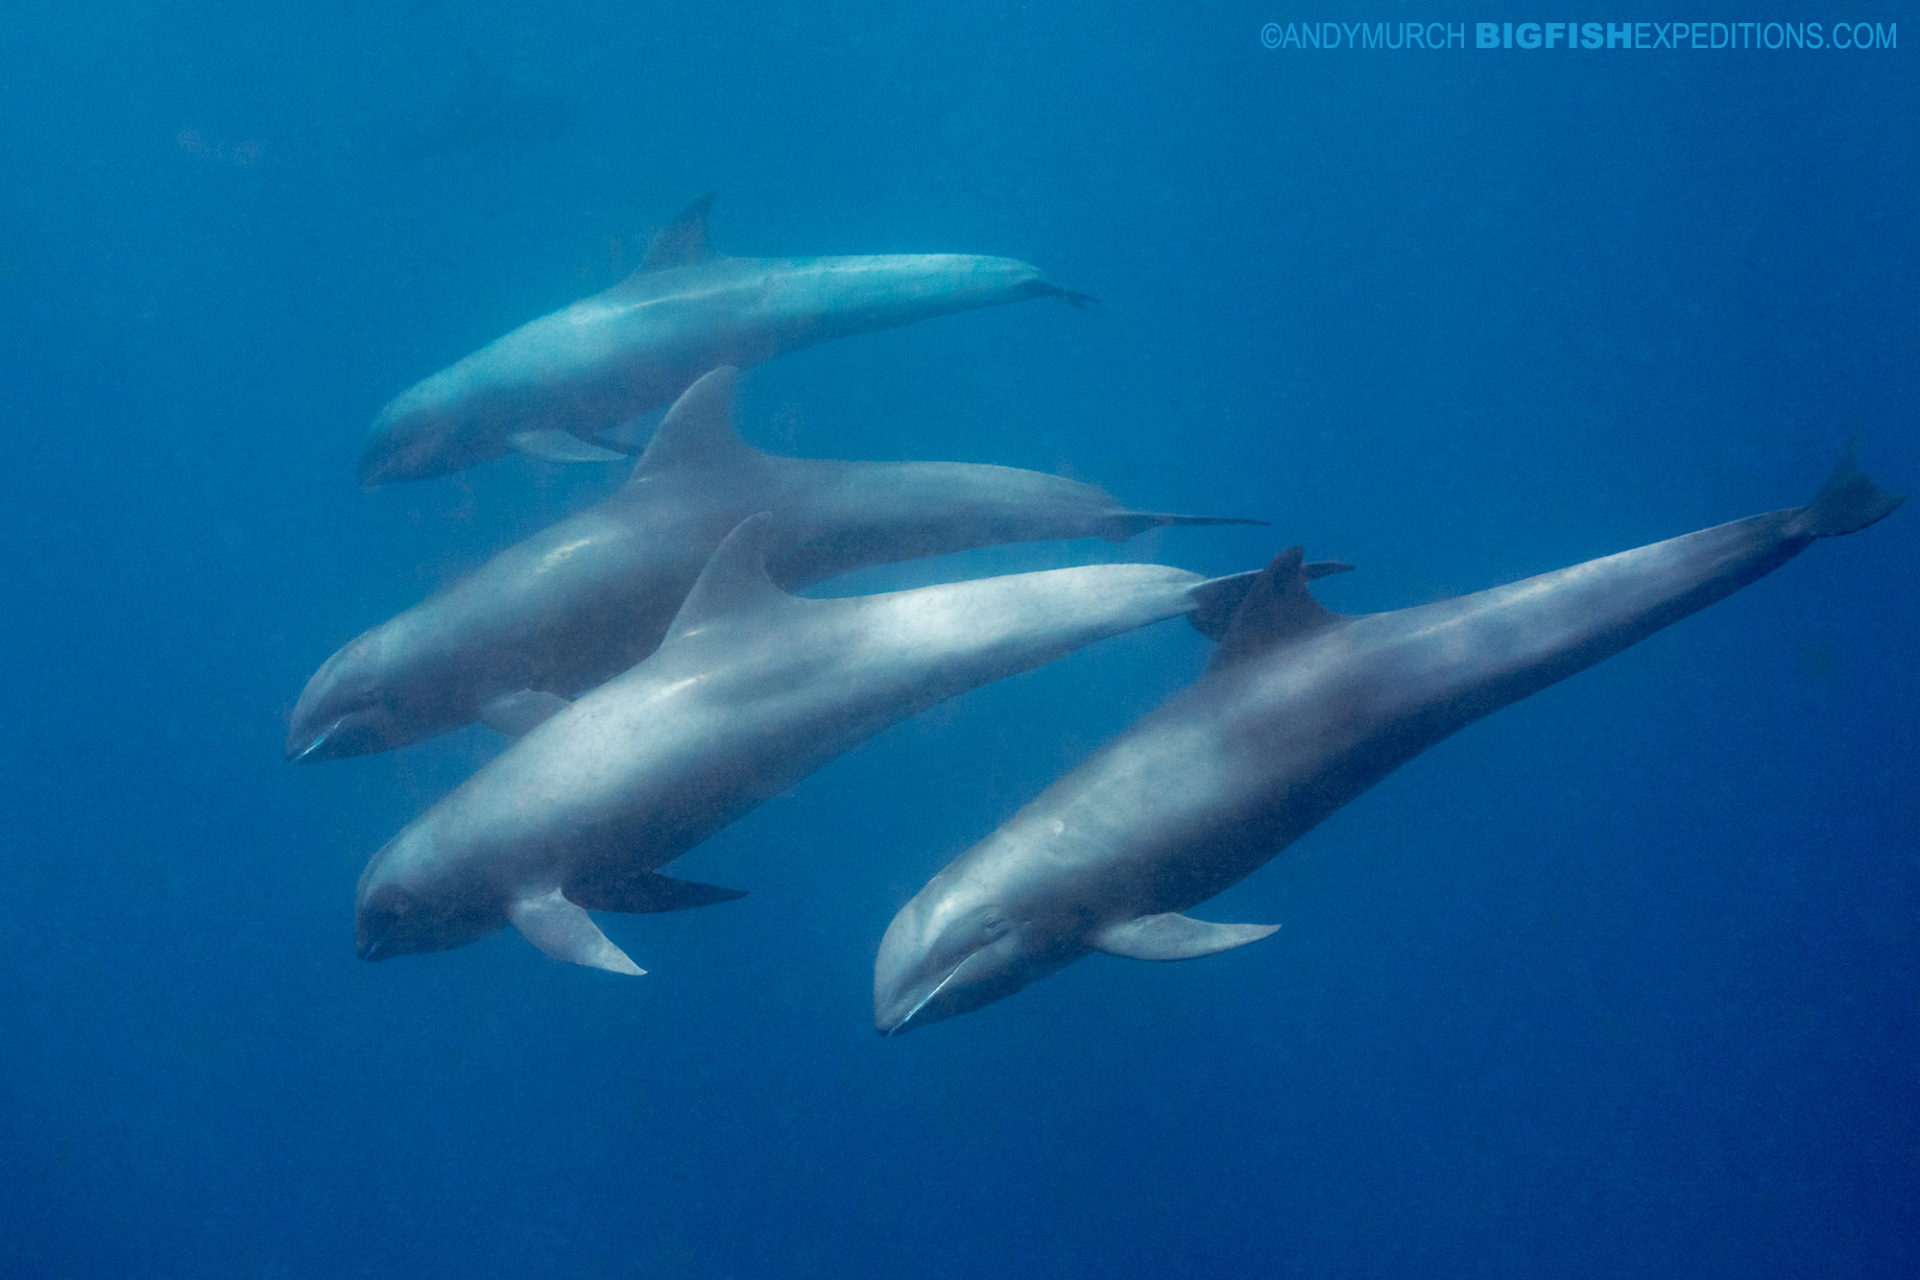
[660, 680]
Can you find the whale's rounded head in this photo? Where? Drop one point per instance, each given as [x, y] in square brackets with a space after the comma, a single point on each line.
[386, 923]
[411, 899]
[344, 710]
[953, 950]
[424, 432]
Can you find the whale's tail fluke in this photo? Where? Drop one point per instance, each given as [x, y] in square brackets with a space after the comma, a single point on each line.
[1847, 504]
[1072, 297]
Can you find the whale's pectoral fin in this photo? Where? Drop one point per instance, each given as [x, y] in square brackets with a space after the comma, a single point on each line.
[640, 891]
[1172, 936]
[566, 932]
[554, 445]
[515, 713]
[630, 436]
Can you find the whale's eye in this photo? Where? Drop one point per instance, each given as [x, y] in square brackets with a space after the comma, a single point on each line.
[994, 925]
[391, 901]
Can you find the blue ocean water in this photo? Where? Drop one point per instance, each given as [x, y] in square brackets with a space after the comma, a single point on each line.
[1622, 980]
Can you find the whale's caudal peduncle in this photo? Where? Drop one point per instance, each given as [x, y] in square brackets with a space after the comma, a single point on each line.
[1301, 710]
[551, 387]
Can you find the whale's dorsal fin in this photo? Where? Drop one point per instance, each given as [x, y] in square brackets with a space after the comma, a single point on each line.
[698, 430]
[1219, 599]
[1277, 607]
[734, 581]
[1172, 936]
[682, 242]
[566, 932]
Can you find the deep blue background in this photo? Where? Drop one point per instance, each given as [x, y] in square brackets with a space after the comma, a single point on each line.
[1624, 980]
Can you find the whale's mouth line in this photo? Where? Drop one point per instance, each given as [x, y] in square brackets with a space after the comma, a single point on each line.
[315, 745]
[376, 948]
[938, 987]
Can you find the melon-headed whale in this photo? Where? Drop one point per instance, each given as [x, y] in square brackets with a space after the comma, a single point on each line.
[590, 596]
[1300, 711]
[752, 690]
[549, 387]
